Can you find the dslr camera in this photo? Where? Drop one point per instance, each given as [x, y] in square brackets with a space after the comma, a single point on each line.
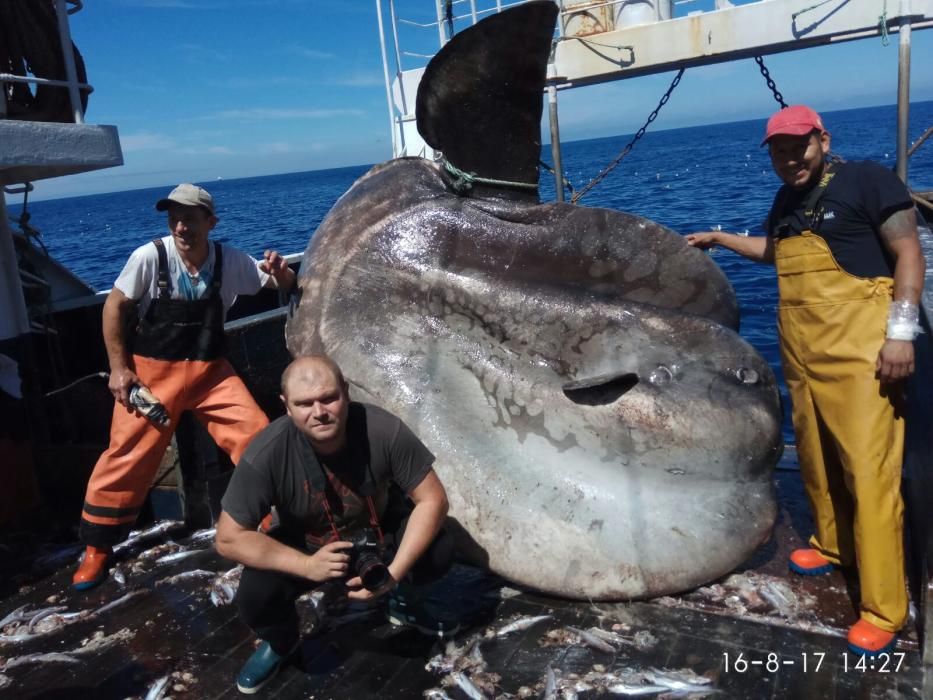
[366, 558]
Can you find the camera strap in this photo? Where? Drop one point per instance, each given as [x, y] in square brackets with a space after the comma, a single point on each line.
[373, 518]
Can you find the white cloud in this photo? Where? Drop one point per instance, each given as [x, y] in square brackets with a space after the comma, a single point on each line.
[309, 53]
[269, 114]
[359, 80]
[145, 141]
[202, 149]
[276, 147]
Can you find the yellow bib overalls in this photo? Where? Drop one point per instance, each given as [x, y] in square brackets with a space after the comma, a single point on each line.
[850, 433]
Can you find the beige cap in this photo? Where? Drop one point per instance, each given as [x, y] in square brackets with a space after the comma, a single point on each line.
[190, 196]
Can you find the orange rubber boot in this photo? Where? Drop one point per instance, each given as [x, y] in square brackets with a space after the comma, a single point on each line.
[809, 562]
[93, 568]
[869, 640]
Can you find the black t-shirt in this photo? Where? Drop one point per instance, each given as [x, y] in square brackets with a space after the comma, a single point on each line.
[281, 469]
[858, 199]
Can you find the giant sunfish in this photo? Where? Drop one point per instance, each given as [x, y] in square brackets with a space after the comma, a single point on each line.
[602, 431]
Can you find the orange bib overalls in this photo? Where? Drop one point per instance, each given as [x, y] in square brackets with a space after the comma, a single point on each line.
[850, 435]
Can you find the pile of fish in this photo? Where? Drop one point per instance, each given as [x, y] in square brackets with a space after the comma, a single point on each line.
[755, 596]
[462, 666]
[91, 645]
[168, 552]
[24, 624]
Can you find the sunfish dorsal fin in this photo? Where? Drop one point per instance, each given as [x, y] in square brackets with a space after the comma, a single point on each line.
[481, 96]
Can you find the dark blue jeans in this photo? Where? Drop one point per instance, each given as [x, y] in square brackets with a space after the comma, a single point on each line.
[266, 599]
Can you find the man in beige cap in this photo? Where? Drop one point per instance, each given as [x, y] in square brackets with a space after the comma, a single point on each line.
[850, 270]
[180, 287]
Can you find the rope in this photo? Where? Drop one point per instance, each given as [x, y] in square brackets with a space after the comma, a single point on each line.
[883, 24]
[566, 182]
[30, 232]
[102, 375]
[807, 9]
[882, 19]
[463, 181]
[631, 144]
[767, 76]
[919, 142]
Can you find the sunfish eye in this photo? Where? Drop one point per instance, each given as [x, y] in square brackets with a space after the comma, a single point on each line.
[746, 375]
[660, 376]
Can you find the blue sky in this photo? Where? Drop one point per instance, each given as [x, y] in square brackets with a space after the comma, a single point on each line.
[202, 89]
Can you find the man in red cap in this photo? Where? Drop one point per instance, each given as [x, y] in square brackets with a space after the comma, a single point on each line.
[843, 237]
[177, 290]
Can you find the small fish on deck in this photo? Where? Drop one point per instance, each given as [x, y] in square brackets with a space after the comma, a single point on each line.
[517, 625]
[202, 535]
[185, 576]
[466, 686]
[158, 688]
[224, 587]
[137, 536]
[592, 641]
[160, 550]
[118, 601]
[50, 657]
[16, 616]
[436, 694]
[681, 681]
[176, 556]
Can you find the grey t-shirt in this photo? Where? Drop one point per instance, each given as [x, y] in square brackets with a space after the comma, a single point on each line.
[281, 469]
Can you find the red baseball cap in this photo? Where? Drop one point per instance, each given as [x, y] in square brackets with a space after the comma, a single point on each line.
[795, 120]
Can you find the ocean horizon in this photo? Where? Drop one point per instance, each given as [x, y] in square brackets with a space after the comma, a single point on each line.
[545, 150]
[688, 179]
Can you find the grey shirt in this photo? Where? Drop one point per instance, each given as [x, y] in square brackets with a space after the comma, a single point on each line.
[281, 469]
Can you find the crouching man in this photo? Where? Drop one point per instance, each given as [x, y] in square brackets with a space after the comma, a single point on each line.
[331, 467]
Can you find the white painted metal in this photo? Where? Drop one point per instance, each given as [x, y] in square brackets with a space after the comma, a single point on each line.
[385, 72]
[441, 36]
[71, 73]
[11, 78]
[728, 33]
[587, 17]
[32, 151]
[742, 31]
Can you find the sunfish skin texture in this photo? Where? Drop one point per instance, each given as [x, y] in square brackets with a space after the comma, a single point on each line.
[600, 432]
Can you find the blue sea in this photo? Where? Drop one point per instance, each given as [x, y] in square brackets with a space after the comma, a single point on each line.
[687, 179]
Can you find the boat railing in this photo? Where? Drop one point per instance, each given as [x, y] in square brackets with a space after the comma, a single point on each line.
[71, 73]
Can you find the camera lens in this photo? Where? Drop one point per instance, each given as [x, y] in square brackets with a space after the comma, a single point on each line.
[372, 572]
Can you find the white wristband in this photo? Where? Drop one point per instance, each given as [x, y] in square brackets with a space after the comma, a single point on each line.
[903, 320]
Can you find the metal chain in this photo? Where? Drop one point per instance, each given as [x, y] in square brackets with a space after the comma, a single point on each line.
[764, 71]
[625, 151]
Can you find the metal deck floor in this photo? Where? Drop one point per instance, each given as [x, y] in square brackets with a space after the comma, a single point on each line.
[173, 628]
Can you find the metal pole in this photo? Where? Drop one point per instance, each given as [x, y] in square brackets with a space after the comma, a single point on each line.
[398, 68]
[68, 54]
[555, 132]
[14, 319]
[385, 76]
[903, 90]
[441, 34]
